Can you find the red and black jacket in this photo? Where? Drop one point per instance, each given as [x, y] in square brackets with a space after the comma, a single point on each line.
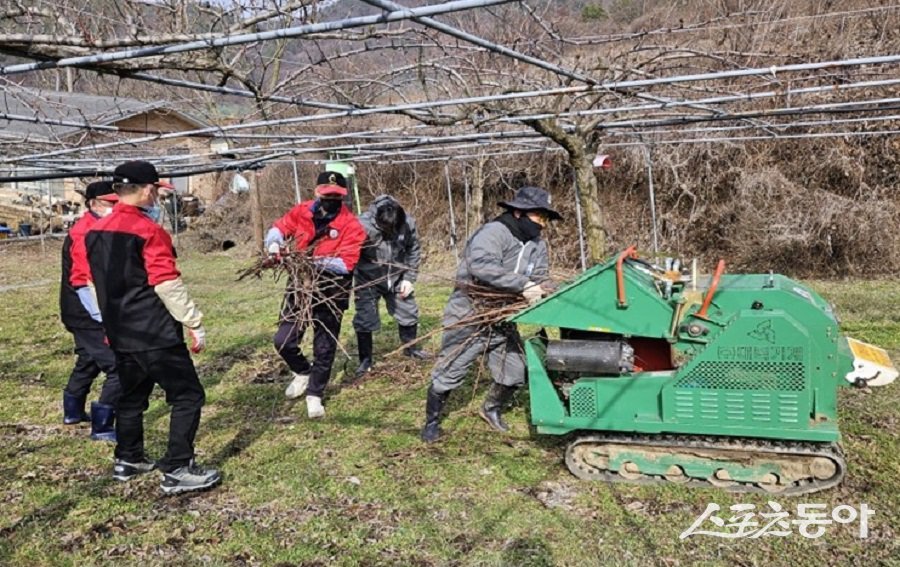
[129, 254]
[342, 239]
[76, 273]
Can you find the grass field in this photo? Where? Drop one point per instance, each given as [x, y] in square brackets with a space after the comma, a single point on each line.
[358, 487]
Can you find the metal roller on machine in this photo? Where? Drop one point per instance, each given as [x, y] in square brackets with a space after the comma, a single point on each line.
[733, 386]
[601, 357]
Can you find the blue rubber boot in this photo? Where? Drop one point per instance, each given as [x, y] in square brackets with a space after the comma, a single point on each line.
[73, 409]
[103, 420]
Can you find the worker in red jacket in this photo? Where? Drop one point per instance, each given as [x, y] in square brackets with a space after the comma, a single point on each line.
[145, 307]
[81, 317]
[334, 235]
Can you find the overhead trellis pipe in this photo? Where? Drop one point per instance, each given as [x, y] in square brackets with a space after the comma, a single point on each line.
[850, 134]
[526, 134]
[529, 94]
[709, 100]
[487, 98]
[106, 172]
[274, 158]
[851, 106]
[395, 147]
[240, 39]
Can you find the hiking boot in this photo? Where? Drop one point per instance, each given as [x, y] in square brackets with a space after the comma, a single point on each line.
[73, 409]
[297, 386]
[126, 470]
[103, 418]
[364, 345]
[408, 333]
[314, 407]
[189, 478]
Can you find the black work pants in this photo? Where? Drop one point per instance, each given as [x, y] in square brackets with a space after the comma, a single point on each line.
[94, 356]
[174, 371]
[328, 309]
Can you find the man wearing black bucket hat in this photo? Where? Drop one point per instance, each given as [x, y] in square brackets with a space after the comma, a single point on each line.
[81, 317]
[508, 255]
[146, 309]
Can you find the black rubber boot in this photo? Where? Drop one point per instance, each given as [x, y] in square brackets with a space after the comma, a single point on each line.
[434, 403]
[491, 411]
[73, 409]
[364, 345]
[408, 334]
[103, 422]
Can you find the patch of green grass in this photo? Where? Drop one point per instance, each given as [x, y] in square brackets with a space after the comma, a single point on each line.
[359, 488]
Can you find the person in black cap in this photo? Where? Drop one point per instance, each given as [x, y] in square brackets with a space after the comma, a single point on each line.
[506, 254]
[81, 317]
[145, 308]
[333, 234]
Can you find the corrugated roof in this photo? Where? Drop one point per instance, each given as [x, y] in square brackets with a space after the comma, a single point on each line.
[80, 107]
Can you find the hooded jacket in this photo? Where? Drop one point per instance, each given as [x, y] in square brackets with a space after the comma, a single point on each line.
[389, 259]
[494, 257]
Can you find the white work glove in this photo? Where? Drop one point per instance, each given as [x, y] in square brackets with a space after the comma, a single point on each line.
[274, 241]
[533, 292]
[198, 339]
[404, 289]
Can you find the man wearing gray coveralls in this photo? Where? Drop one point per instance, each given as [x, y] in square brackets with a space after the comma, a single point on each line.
[387, 268]
[506, 255]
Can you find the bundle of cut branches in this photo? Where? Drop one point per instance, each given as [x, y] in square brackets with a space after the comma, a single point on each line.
[491, 307]
[305, 283]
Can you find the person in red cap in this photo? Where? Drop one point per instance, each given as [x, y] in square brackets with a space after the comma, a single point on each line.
[334, 235]
[145, 308]
[81, 317]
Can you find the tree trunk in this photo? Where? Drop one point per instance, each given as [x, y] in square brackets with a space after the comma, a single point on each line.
[581, 161]
[594, 225]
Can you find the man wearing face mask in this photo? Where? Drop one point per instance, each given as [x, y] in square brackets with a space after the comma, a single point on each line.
[81, 317]
[145, 308]
[387, 269]
[507, 255]
[333, 235]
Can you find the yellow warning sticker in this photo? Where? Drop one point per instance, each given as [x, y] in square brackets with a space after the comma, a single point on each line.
[870, 353]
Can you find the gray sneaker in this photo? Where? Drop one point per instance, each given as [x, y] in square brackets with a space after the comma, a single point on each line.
[189, 478]
[125, 470]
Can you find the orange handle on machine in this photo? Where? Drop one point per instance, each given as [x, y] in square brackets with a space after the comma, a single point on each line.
[630, 252]
[720, 269]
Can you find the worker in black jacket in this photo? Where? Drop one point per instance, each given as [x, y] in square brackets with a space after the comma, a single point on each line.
[81, 317]
[145, 307]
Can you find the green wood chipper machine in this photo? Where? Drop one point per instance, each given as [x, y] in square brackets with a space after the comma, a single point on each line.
[732, 384]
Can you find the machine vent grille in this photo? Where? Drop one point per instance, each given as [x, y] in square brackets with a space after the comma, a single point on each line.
[583, 402]
[726, 375]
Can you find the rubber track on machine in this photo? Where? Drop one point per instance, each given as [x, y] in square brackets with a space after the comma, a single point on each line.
[807, 449]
